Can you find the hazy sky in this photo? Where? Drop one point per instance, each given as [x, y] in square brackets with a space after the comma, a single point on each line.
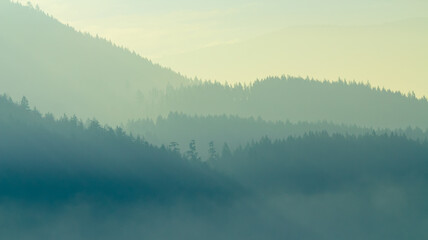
[163, 30]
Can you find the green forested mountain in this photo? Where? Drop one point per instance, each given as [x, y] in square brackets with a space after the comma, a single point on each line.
[180, 130]
[64, 71]
[297, 99]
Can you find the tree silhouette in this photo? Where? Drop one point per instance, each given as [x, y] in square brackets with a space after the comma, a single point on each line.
[226, 153]
[24, 103]
[212, 152]
[173, 146]
[191, 153]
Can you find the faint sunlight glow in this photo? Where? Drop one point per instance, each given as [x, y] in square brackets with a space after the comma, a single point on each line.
[383, 42]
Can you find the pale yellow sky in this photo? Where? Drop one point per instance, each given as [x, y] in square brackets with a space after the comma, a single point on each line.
[239, 40]
[393, 55]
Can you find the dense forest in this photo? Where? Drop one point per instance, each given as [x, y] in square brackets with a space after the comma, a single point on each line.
[62, 172]
[343, 187]
[180, 129]
[72, 151]
[297, 99]
[58, 175]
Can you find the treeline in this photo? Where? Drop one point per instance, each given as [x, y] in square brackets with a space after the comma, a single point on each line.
[58, 160]
[296, 99]
[180, 129]
[318, 162]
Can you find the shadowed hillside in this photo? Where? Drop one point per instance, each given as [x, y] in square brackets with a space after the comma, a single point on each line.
[64, 71]
[66, 159]
[367, 187]
[61, 179]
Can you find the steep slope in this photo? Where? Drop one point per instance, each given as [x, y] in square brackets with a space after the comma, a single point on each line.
[62, 70]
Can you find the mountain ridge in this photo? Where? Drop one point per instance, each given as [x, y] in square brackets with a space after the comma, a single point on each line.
[65, 71]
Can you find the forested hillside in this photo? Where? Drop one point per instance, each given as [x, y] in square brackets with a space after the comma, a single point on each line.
[86, 181]
[180, 129]
[111, 146]
[297, 99]
[367, 187]
[65, 71]
[89, 159]
[69, 180]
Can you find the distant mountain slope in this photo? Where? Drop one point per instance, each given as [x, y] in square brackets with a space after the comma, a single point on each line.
[297, 99]
[62, 70]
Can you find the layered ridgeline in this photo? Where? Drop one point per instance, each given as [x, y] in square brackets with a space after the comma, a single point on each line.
[71, 158]
[65, 71]
[180, 130]
[69, 180]
[297, 99]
